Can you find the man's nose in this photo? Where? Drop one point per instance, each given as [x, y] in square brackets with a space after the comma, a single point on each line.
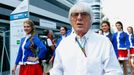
[79, 17]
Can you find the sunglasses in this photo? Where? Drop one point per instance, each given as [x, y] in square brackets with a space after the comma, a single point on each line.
[82, 14]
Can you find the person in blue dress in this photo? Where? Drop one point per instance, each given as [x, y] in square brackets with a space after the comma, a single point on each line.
[121, 45]
[106, 30]
[131, 43]
[63, 31]
[27, 57]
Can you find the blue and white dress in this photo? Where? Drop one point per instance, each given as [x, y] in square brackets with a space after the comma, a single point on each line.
[25, 51]
[121, 44]
[131, 42]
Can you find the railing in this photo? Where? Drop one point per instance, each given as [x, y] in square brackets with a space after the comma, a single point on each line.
[4, 51]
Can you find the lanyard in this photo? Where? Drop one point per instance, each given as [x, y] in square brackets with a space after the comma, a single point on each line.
[82, 48]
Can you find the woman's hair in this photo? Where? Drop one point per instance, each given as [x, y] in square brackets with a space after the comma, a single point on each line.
[32, 47]
[46, 32]
[131, 29]
[82, 7]
[30, 22]
[118, 22]
[108, 23]
[64, 28]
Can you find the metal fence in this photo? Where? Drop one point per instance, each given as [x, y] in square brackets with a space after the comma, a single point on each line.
[4, 51]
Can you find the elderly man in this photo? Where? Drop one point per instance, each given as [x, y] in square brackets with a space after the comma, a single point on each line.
[84, 52]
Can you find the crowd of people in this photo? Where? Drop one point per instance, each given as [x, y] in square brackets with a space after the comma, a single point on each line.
[123, 43]
[78, 52]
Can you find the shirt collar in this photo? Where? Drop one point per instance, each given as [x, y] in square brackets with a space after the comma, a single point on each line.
[105, 33]
[64, 36]
[86, 36]
[130, 34]
[120, 31]
[28, 35]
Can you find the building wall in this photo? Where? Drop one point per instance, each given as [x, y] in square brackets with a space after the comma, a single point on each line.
[50, 7]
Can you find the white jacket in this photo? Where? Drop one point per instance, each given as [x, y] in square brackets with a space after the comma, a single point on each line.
[100, 60]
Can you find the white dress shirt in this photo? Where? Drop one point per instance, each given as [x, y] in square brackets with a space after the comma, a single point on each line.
[100, 60]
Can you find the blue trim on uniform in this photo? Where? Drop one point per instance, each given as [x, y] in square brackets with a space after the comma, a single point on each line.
[38, 44]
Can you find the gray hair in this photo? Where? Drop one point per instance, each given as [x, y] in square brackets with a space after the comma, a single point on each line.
[82, 7]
